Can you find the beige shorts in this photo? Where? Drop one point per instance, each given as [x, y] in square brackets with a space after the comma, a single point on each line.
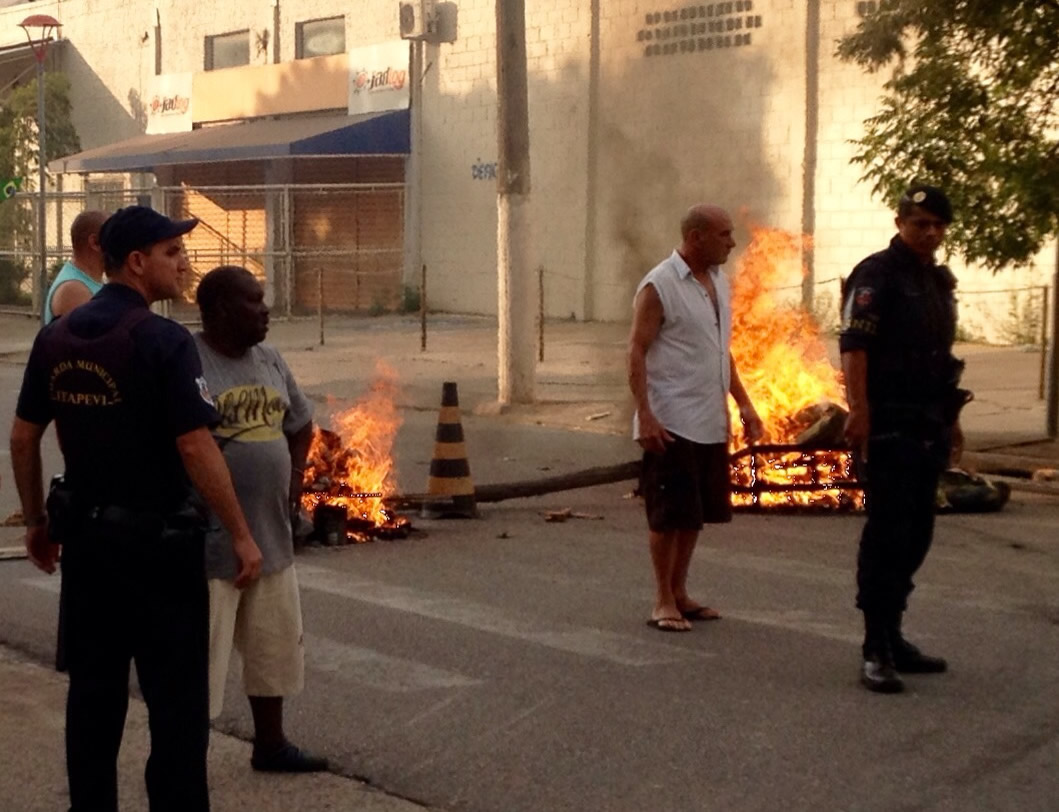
[264, 624]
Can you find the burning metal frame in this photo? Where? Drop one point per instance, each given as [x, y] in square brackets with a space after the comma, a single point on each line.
[777, 476]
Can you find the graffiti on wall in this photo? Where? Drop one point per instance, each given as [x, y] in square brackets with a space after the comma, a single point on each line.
[698, 27]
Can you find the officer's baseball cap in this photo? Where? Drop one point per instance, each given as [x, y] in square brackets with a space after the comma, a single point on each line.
[928, 198]
[137, 228]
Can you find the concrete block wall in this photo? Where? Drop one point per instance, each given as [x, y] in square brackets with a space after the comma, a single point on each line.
[717, 123]
[105, 59]
[557, 49]
[460, 156]
[458, 162]
[851, 223]
[720, 124]
[109, 53]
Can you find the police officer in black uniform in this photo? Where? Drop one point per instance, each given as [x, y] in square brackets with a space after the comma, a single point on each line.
[133, 416]
[899, 324]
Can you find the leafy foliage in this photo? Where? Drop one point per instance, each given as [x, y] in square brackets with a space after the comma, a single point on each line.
[18, 159]
[970, 106]
[18, 126]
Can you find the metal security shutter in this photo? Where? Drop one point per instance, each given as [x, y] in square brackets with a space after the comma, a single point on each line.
[348, 241]
[231, 207]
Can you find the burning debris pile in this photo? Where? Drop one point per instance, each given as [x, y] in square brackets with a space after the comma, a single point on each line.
[799, 395]
[797, 392]
[349, 472]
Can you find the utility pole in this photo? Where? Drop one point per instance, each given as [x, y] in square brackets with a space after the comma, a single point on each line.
[1053, 370]
[48, 26]
[516, 347]
[588, 293]
[809, 154]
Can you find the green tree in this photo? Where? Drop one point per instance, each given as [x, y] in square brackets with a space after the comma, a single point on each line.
[18, 159]
[971, 106]
[18, 126]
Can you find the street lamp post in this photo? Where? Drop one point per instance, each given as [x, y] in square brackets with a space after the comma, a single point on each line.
[47, 25]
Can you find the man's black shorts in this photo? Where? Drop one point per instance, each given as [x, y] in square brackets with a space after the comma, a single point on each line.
[686, 486]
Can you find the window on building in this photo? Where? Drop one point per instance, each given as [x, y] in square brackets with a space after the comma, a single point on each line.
[228, 50]
[320, 37]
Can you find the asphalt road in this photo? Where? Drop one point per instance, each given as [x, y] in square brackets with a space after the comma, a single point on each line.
[503, 664]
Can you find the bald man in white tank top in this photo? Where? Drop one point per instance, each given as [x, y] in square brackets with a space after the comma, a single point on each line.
[681, 372]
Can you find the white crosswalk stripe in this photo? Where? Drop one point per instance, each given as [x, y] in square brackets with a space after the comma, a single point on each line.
[593, 643]
[356, 664]
[48, 583]
[368, 667]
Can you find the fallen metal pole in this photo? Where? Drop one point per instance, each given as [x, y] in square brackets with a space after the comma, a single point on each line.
[566, 482]
[517, 490]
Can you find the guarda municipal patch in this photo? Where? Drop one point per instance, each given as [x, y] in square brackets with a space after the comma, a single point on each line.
[863, 296]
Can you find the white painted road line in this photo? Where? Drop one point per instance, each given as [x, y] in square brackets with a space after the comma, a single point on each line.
[352, 663]
[368, 667]
[49, 583]
[615, 648]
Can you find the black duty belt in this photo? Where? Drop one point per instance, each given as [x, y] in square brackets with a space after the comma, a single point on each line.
[136, 522]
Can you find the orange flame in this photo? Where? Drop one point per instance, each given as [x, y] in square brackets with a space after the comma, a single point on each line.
[783, 365]
[349, 465]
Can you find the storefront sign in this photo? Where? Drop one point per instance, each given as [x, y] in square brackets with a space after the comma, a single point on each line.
[169, 104]
[378, 78]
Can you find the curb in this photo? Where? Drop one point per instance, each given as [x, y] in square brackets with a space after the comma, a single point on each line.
[1015, 466]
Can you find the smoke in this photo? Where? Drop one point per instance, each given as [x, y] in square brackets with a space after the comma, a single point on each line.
[645, 201]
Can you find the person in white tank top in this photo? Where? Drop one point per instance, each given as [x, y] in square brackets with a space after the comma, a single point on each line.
[681, 372]
[82, 276]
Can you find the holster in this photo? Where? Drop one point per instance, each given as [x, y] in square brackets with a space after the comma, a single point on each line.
[68, 518]
[125, 524]
[63, 515]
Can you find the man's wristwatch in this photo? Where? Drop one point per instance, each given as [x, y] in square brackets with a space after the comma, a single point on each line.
[35, 522]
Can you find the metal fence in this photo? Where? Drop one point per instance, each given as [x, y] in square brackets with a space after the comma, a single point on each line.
[329, 247]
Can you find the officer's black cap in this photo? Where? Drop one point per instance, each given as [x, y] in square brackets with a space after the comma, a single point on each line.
[137, 228]
[928, 198]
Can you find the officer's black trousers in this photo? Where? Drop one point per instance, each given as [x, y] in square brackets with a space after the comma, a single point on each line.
[902, 474]
[144, 601]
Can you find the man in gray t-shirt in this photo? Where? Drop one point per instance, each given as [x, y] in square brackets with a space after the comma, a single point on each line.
[265, 430]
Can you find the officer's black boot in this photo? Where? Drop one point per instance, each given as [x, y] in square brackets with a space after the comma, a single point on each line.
[877, 672]
[908, 659]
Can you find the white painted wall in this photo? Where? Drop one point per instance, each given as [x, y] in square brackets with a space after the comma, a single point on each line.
[722, 125]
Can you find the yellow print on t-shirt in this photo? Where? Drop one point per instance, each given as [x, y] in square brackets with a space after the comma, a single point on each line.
[253, 414]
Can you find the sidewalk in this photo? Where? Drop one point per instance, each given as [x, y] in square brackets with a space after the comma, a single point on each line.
[32, 707]
[581, 383]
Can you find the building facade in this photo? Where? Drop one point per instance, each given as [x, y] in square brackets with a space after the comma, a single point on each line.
[637, 108]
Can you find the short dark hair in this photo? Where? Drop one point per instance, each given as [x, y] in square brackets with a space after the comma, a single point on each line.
[928, 198]
[218, 285]
[136, 228]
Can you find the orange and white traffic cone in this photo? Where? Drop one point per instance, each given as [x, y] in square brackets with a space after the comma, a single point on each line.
[450, 471]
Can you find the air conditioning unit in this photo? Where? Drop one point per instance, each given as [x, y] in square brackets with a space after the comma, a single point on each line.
[418, 19]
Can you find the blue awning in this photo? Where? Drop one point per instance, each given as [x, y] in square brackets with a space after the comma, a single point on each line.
[368, 134]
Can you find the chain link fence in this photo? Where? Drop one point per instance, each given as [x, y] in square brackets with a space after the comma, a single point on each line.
[334, 248]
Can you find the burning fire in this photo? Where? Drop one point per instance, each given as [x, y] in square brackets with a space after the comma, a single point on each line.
[784, 367]
[351, 466]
